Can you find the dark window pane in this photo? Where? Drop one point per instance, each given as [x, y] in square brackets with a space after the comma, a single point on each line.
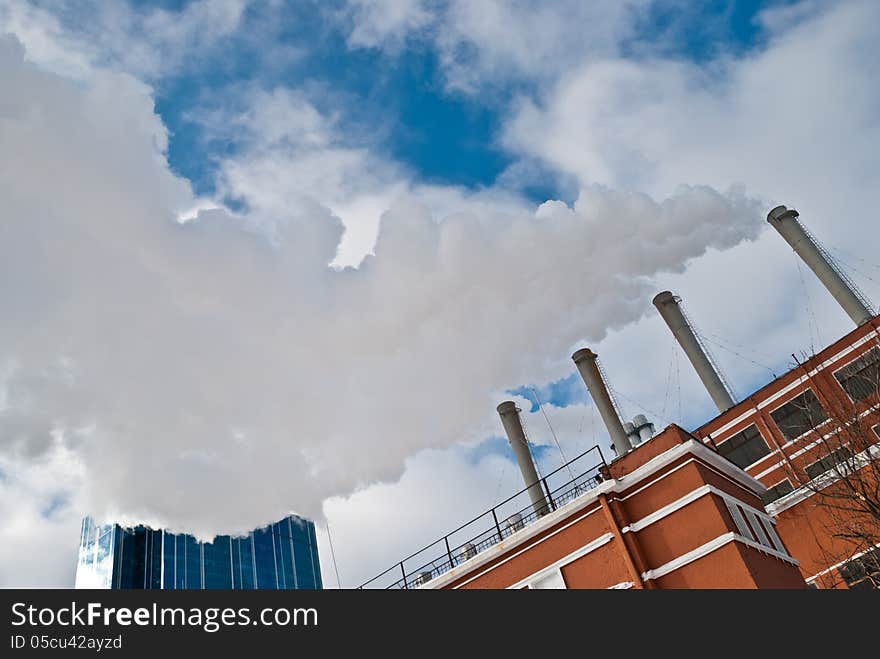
[745, 447]
[313, 554]
[778, 490]
[264, 547]
[863, 572]
[245, 552]
[168, 556]
[218, 565]
[192, 563]
[838, 456]
[865, 584]
[860, 379]
[155, 578]
[133, 564]
[800, 414]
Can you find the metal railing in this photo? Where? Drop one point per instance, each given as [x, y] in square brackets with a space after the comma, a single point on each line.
[493, 526]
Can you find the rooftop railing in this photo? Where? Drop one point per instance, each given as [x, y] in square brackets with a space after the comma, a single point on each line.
[560, 487]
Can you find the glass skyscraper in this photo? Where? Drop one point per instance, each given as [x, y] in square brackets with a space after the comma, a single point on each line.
[281, 555]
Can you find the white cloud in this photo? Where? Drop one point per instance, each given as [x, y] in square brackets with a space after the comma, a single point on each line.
[40, 522]
[146, 42]
[491, 43]
[219, 379]
[386, 23]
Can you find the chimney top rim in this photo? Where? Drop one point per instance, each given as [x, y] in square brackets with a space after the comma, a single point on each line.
[582, 354]
[507, 406]
[663, 297]
[780, 213]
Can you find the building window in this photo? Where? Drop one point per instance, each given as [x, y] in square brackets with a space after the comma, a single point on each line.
[777, 491]
[745, 447]
[863, 573]
[740, 521]
[838, 456]
[774, 536]
[877, 431]
[860, 378]
[758, 529]
[800, 414]
[550, 581]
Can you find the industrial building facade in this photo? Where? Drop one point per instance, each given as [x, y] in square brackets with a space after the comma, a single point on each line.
[780, 490]
[788, 435]
[670, 514]
[283, 555]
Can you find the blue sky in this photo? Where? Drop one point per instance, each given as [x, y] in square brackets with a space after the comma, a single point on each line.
[443, 136]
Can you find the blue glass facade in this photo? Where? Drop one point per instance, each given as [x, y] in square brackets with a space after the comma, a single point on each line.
[280, 556]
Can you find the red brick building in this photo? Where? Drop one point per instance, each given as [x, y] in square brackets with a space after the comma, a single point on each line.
[670, 514]
[785, 435]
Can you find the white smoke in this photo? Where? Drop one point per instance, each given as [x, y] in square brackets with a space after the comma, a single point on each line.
[209, 377]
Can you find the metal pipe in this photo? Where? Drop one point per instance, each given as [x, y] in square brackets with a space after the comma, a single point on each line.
[643, 427]
[631, 433]
[585, 360]
[517, 437]
[667, 305]
[785, 221]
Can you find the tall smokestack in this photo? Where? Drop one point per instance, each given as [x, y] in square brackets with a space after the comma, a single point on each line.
[667, 305]
[785, 221]
[585, 360]
[517, 437]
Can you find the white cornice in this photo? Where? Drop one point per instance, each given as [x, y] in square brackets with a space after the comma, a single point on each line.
[618, 485]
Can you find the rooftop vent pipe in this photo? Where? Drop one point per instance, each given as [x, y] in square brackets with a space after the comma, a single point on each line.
[667, 305]
[514, 522]
[848, 296]
[517, 437]
[466, 551]
[631, 433]
[422, 578]
[643, 427]
[585, 360]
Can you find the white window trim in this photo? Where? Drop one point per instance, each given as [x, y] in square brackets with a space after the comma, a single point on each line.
[527, 537]
[774, 537]
[804, 492]
[806, 448]
[708, 548]
[827, 455]
[850, 363]
[588, 548]
[821, 367]
[806, 432]
[544, 575]
[739, 519]
[843, 562]
[777, 484]
[758, 528]
[690, 497]
[770, 449]
[784, 480]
